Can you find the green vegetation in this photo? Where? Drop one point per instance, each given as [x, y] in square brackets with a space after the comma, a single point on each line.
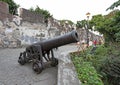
[12, 6]
[106, 58]
[62, 22]
[86, 72]
[114, 5]
[100, 66]
[83, 23]
[108, 25]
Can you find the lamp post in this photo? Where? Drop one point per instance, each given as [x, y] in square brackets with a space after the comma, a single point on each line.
[87, 28]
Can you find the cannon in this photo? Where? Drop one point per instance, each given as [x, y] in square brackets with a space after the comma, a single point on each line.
[41, 53]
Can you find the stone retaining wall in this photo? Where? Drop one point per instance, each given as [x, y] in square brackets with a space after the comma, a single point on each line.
[66, 71]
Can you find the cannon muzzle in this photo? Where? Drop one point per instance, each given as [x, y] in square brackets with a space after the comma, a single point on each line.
[68, 38]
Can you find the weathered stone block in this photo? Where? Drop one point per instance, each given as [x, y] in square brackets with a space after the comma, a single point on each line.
[4, 8]
[29, 16]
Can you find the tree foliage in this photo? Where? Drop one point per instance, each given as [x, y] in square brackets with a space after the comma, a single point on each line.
[106, 58]
[108, 25]
[62, 22]
[81, 24]
[114, 5]
[12, 6]
[84, 24]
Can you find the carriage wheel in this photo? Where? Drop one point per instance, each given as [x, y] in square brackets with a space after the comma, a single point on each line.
[54, 62]
[37, 67]
[21, 59]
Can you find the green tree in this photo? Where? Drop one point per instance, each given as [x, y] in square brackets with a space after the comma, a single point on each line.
[62, 22]
[86, 25]
[108, 25]
[31, 9]
[81, 24]
[114, 5]
[12, 6]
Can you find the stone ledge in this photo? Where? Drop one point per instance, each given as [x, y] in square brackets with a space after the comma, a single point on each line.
[66, 71]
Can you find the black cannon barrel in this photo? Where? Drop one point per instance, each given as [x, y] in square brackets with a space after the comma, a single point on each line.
[49, 44]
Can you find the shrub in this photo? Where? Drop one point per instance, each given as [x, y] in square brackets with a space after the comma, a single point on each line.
[110, 68]
[105, 60]
[86, 72]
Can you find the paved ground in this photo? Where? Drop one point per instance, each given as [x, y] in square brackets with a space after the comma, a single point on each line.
[11, 73]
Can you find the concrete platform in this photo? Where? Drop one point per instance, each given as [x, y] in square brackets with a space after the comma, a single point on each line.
[11, 73]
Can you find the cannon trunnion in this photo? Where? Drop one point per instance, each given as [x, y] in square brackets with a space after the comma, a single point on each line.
[41, 54]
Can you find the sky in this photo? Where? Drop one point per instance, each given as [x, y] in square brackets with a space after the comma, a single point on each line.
[74, 10]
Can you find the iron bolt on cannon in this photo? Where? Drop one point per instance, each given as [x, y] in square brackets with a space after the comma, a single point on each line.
[41, 53]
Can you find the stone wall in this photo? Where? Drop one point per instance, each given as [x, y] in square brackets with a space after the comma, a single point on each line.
[20, 30]
[28, 28]
[4, 12]
[29, 16]
[28, 24]
[14, 29]
[91, 36]
[4, 7]
[54, 27]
